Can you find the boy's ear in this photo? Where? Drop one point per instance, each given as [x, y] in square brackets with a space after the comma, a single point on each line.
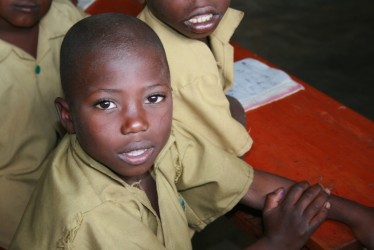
[63, 111]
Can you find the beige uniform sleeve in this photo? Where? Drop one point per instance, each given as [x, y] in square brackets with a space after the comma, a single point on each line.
[212, 181]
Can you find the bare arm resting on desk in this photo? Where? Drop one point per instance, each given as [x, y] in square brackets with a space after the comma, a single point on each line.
[300, 208]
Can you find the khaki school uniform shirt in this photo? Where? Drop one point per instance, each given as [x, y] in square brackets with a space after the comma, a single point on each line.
[199, 77]
[81, 204]
[28, 123]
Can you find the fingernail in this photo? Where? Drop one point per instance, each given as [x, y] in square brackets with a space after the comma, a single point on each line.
[280, 191]
[327, 190]
[327, 205]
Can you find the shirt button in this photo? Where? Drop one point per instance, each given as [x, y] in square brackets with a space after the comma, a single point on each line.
[37, 69]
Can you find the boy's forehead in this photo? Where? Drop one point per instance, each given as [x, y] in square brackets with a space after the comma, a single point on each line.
[127, 53]
[139, 59]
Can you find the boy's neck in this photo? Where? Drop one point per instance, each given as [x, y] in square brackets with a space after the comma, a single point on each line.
[24, 38]
[146, 183]
[205, 40]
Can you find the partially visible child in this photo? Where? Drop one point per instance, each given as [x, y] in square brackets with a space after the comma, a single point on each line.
[196, 35]
[124, 178]
[31, 33]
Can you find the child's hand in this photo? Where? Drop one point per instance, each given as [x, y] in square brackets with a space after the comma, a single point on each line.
[364, 226]
[290, 219]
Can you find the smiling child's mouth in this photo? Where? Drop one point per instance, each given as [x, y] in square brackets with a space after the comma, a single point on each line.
[201, 18]
[26, 7]
[136, 156]
[204, 23]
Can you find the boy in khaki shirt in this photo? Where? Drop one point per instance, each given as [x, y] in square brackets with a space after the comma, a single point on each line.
[125, 178]
[31, 33]
[195, 35]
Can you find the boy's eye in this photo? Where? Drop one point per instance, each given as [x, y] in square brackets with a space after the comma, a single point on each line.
[105, 105]
[155, 99]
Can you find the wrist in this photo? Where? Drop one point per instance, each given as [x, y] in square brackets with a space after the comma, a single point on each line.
[343, 210]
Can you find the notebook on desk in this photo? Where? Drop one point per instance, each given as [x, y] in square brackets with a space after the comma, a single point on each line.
[256, 84]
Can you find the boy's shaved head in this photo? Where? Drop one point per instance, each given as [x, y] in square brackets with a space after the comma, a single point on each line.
[118, 99]
[107, 35]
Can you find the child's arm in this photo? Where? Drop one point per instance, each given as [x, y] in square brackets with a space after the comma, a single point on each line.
[358, 217]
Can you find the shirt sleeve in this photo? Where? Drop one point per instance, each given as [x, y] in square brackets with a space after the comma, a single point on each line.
[212, 181]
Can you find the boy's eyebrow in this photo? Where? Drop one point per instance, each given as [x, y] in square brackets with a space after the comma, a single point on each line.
[157, 85]
[110, 90]
[106, 90]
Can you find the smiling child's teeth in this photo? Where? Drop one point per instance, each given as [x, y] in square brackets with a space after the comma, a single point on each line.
[201, 19]
[136, 152]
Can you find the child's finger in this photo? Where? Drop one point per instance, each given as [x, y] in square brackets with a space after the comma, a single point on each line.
[294, 193]
[273, 199]
[316, 221]
[317, 203]
[311, 201]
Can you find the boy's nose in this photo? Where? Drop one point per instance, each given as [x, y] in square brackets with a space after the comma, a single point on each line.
[134, 121]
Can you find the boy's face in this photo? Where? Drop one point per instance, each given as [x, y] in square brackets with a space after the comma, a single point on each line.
[121, 110]
[194, 19]
[22, 13]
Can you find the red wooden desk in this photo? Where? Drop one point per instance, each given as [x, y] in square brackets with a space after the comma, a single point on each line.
[302, 137]
[308, 135]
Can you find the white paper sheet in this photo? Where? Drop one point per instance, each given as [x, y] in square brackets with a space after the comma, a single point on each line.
[256, 84]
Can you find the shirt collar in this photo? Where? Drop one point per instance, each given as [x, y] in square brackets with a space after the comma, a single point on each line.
[226, 28]
[85, 159]
[5, 49]
[51, 26]
[90, 162]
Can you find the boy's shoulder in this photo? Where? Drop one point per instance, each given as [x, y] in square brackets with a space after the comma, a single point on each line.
[186, 148]
[75, 196]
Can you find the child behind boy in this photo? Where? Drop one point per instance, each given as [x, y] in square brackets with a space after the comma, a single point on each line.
[31, 33]
[125, 179]
[196, 35]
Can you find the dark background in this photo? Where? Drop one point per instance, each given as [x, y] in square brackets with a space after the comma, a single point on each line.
[328, 44]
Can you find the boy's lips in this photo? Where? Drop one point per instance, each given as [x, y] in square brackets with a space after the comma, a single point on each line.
[203, 23]
[25, 7]
[136, 156]
[201, 18]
